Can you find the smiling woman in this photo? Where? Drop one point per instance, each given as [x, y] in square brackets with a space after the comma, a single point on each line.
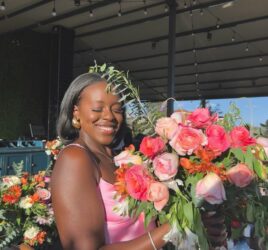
[90, 120]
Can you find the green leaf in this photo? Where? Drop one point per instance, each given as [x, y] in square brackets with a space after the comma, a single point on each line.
[260, 169]
[188, 211]
[238, 153]
[250, 212]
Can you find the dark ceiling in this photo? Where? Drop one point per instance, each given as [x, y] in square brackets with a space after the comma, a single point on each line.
[221, 46]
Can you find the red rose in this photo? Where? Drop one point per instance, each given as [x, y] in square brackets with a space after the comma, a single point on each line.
[137, 182]
[151, 146]
[201, 118]
[218, 140]
[240, 137]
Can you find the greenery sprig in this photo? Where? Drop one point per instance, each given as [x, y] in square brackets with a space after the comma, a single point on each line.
[119, 83]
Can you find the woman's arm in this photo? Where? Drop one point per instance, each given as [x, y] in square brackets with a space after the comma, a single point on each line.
[78, 207]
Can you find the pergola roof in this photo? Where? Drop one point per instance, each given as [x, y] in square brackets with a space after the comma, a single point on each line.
[221, 45]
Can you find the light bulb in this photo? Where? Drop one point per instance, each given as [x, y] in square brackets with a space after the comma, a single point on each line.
[91, 13]
[54, 13]
[145, 11]
[3, 6]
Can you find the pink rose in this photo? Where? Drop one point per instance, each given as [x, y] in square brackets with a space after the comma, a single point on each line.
[201, 118]
[137, 182]
[166, 166]
[240, 175]
[180, 116]
[43, 194]
[126, 157]
[158, 194]
[211, 189]
[264, 143]
[166, 127]
[218, 140]
[187, 139]
[240, 137]
[151, 146]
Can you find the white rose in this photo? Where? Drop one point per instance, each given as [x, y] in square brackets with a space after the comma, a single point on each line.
[25, 202]
[12, 180]
[31, 232]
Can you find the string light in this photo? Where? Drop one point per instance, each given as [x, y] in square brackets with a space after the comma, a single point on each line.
[77, 3]
[201, 12]
[91, 13]
[233, 37]
[54, 13]
[185, 4]
[260, 59]
[209, 36]
[218, 23]
[3, 6]
[119, 11]
[247, 48]
[191, 13]
[194, 2]
[166, 8]
[145, 9]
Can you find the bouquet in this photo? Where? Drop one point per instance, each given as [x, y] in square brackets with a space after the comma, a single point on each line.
[26, 215]
[196, 162]
[53, 148]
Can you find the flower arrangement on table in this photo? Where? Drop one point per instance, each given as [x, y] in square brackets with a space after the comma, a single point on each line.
[26, 215]
[195, 162]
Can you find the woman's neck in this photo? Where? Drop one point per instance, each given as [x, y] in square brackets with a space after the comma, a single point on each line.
[94, 146]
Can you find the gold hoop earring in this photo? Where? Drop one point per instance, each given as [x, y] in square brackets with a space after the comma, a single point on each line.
[76, 123]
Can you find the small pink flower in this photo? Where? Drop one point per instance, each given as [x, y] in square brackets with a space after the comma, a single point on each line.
[137, 182]
[43, 194]
[201, 118]
[166, 166]
[166, 127]
[240, 175]
[218, 140]
[264, 143]
[240, 137]
[211, 189]
[187, 139]
[151, 146]
[180, 117]
[158, 194]
[126, 157]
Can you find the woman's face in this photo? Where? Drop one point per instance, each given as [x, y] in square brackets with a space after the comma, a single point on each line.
[100, 113]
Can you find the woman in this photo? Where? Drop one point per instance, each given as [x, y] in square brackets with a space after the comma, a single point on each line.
[83, 176]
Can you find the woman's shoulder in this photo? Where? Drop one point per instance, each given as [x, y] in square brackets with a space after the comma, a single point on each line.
[76, 157]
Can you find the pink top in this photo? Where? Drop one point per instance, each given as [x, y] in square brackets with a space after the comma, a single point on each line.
[119, 228]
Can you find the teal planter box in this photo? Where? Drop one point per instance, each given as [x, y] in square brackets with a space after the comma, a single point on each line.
[34, 159]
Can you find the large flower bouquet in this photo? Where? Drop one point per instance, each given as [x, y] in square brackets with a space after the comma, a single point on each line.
[26, 215]
[195, 162]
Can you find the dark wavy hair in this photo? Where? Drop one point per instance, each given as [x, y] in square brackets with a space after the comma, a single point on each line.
[65, 130]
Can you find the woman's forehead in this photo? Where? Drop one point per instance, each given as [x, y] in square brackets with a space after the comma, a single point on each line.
[98, 92]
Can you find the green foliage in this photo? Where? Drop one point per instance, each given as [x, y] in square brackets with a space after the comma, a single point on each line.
[119, 83]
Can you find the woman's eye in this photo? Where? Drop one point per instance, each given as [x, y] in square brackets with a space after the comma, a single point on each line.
[97, 110]
[120, 111]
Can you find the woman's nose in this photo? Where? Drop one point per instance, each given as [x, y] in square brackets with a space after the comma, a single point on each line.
[108, 114]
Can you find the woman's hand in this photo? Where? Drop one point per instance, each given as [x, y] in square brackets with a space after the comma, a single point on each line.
[215, 227]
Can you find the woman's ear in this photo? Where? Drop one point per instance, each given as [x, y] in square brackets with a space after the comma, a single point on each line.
[76, 112]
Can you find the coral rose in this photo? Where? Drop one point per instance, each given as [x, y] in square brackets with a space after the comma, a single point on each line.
[201, 118]
[240, 137]
[264, 143]
[126, 157]
[151, 146]
[240, 175]
[137, 182]
[187, 139]
[218, 140]
[166, 166]
[158, 194]
[166, 127]
[211, 189]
